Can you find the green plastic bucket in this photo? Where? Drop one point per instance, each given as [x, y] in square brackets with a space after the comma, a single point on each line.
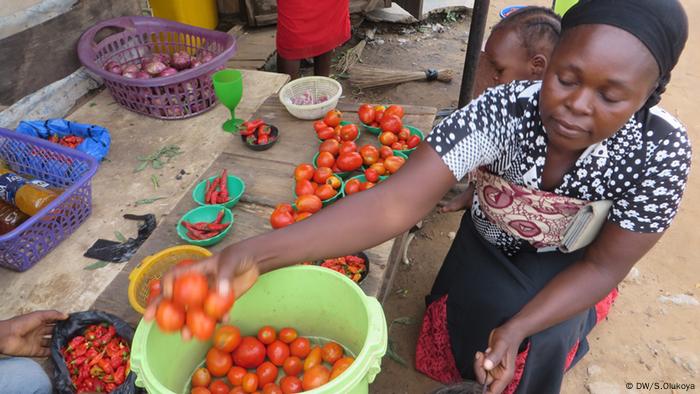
[303, 297]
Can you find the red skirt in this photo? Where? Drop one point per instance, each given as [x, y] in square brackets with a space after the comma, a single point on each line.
[307, 28]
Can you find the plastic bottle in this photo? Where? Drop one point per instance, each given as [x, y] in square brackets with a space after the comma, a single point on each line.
[18, 191]
[10, 218]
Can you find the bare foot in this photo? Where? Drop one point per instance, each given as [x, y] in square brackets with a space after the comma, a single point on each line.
[458, 203]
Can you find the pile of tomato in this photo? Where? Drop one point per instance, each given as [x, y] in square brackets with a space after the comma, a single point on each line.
[329, 128]
[271, 363]
[354, 267]
[321, 182]
[98, 360]
[390, 121]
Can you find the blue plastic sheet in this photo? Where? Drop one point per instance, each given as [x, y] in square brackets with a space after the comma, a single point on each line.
[96, 138]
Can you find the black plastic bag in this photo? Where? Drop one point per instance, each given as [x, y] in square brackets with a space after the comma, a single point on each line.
[76, 325]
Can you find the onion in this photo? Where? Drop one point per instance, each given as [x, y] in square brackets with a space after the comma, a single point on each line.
[142, 75]
[115, 69]
[195, 63]
[154, 67]
[132, 68]
[205, 56]
[181, 60]
[129, 74]
[168, 72]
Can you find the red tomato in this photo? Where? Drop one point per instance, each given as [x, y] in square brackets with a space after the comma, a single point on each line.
[385, 152]
[391, 123]
[334, 181]
[378, 113]
[349, 161]
[397, 146]
[413, 141]
[267, 335]
[366, 113]
[267, 373]
[333, 118]
[366, 186]
[272, 388]
[301, 216]
[331, 352]
[349, 132]
[324, 192]
[315, 377]
[190, 289]
[387, 138]
[200, 324]
[326, 134]
[186, 262]
[218, 362]
[200, 390]
[370, 155]
[321, 175]
[303, 171]
[311, 204]
[393, 163]
[379, 168]
[235, 375]
[217, 305]
[288, 335]
[347, 147]
[250, 353]
[319, 125]
[313, 359]
[340, 366]
[325, 159]
[154, 289]
[290, 385]
[227, 338]
[219, 387]
[404, 134]
[371, 175]
[250, 382]
[394, 110]
[330, 146]
[286, 207]
[300, 347]
[201, 378]
[303, 188]
[277, 352]
[237, 390]
[352, 186]
[170, 317]
[280, 219]
[293, 366]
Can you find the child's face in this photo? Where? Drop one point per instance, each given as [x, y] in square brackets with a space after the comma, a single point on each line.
[508, 57]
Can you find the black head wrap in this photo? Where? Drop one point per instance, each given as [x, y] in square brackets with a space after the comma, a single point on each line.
[661, 25]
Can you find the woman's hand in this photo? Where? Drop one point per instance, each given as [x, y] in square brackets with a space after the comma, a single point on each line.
[29, 335]
[496, 366]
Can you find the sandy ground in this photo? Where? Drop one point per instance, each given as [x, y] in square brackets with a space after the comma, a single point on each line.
[644, 340]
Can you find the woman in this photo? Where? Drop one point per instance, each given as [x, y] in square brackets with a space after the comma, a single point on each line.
[310, 29]
[589, 131]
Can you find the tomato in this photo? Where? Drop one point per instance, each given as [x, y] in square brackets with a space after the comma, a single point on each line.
[326, 134]
[321, 175]
[288, 335]
[303, 188]
[190, 289]
[286, 207]
[391, 123]
[366, 185]
[325, 159]
[291, 384]
[200, 390]
[280, 219]
[387, 138]
[301, 216]
[272, 388]
[186, 262]
[311, 204]
[370, 155]
[227, 338]
[336, 170]
[315, 377]
[371, 175]
[385, 152]
[379, 168]
[313, 359]
[267, 335]
[201, 378]
[200, 324]
[235, 375]
[170, 317]
[217, 305]
[349, 132]
[397, 146]
[267, 373]
[335, 182]
[219, 387]
[277, 352]
[330, 146]
[378, 113]
[324, 192]
[218, 362]
[340, 366]
[366, 113]
[319, 125]
[331, 352]
[349, 161]
[394, 110]
[250, 382]
[413, 141]
[300, 347]
[293, 366]
[393, 163]
[404, 134]
[250, 353]
[237, 390]
[303, 171]
[154, 289]
[333, 118]
[347, 147]
[352, 186]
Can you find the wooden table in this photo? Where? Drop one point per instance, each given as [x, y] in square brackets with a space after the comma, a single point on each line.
[268, 178]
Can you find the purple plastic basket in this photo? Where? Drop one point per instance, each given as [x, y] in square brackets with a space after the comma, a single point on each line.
[185, 94]
[63, 168]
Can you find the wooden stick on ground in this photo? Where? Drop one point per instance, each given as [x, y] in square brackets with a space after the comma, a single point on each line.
[367, 77]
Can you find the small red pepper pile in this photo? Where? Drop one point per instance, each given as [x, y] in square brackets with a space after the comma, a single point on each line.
[98, 361]
[206, 230]
[216, 192]
[351, 266]
[257, 132]
[70, 141]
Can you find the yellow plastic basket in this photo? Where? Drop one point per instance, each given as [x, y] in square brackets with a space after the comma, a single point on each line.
[155, 266]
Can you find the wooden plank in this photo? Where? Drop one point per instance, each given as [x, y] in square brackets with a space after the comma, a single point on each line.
[255, 46]
[24, 55]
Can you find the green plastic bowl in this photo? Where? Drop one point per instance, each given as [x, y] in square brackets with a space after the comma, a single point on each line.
[343, 123]
[370, 129]
[205, 213]
[342, 175]
[235, 186]
[414, 131]
[304, 297]
[362, 179]
[330, 200]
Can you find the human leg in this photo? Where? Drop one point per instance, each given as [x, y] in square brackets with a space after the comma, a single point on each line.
[322, 64]
[23, 375]
[287, 66]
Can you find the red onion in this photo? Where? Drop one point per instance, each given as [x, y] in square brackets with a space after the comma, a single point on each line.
[129, 74]
[142, 75]
[132, 68]
[154, 67]
[115, 69]
[110, 64]
[181, 60]
[168, 72]
[195, 63]
[205, 56]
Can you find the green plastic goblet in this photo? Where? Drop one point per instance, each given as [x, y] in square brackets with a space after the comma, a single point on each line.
[228, 86]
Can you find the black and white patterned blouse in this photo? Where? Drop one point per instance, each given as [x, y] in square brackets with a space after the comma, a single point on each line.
[642, 168]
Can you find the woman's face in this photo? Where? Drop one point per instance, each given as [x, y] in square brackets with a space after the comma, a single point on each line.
[598, 76]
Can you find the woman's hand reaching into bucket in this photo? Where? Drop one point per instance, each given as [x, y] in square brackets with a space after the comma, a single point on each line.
[496, 366]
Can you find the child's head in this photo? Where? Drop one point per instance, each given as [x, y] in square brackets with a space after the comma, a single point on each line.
[520, 45]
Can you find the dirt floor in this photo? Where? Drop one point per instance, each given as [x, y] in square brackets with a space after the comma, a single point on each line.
[647, 338]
